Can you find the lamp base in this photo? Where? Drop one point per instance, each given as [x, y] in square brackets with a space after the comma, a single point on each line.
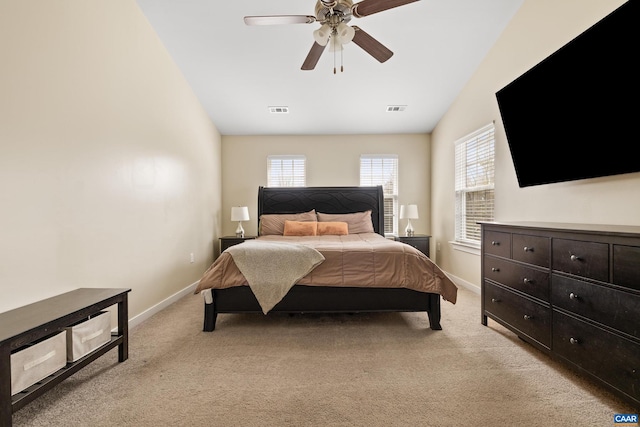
[239, 230]
[408, 231]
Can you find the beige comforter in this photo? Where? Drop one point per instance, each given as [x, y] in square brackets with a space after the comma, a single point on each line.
[361, 260]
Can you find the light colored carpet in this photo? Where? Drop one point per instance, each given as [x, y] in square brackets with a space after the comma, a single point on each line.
[324, 370]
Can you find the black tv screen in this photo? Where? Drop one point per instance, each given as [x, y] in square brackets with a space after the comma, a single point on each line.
[575, 115]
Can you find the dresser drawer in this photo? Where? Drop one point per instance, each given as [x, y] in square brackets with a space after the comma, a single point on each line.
[531, 249]
[587, 259]
[626, 265]
[497, 243]
[612, 358]
[525, 279]
[611, 307]
[525, 315]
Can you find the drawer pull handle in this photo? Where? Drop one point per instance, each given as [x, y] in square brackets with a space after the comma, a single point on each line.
[495, 300]
[495, 243]
[527, 317]
[527, 281]
[575, 258]
[528, 249]
[573, 340]
[573, 296]
[495, 270]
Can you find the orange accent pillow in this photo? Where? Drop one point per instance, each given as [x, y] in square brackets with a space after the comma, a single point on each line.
[334, 228]
[299, 228]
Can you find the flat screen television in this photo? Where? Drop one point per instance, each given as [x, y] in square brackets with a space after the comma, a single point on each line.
[575, 115]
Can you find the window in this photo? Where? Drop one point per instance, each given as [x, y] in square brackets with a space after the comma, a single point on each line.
[382, 170]
[474, 184]
[286, 171]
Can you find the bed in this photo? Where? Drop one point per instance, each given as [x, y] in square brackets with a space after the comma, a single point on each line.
[226, 290]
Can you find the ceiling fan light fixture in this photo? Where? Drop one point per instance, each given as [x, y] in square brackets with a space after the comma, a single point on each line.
[322, 34]
[345, 32]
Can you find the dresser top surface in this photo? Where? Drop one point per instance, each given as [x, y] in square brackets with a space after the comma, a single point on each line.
[560, 226]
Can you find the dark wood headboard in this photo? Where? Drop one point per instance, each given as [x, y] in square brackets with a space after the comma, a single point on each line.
[331, 200]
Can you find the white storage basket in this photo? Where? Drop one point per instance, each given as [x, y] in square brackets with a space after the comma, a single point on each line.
[37, 361]
[88, 335]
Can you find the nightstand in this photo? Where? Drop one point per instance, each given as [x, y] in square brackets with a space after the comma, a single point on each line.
[419, 241]
[228, 241]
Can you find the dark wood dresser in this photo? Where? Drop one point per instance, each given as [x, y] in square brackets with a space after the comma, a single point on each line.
[571, 290]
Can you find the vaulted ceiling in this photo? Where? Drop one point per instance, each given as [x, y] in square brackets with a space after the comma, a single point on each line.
[239, 71]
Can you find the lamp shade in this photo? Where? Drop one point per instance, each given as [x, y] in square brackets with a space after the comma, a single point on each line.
[239, 213]
[409, 211]
[322, 34]
[345, 32]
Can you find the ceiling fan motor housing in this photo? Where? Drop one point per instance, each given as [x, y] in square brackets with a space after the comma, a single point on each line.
[333, 12]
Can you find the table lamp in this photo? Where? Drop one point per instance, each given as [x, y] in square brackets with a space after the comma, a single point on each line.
[409, 212]
[239, 213]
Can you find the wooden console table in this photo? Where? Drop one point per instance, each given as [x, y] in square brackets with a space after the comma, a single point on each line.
[27, 324]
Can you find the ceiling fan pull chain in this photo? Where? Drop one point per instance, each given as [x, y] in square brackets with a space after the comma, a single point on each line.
[333, 40]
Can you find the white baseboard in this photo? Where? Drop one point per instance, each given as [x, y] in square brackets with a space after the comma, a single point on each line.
[463, 283]
[136, 320]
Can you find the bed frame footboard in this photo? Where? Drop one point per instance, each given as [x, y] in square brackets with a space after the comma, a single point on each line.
[315, 299]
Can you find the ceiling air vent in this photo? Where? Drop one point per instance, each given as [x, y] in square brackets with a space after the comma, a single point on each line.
[279, 110]
[395, 108]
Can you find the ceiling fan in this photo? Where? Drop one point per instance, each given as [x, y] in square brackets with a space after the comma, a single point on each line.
[333, 17]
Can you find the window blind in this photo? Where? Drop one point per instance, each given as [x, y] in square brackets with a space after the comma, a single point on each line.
[382, 169]
[474, 183]
[286, 171]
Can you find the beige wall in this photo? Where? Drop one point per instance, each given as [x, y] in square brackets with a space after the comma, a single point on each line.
[109, 167]
[538, 29]
[331, 161]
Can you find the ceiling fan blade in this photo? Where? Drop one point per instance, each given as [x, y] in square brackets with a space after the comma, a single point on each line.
[313, 56]
[279, 19]
[370, 45]
[369, 7]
